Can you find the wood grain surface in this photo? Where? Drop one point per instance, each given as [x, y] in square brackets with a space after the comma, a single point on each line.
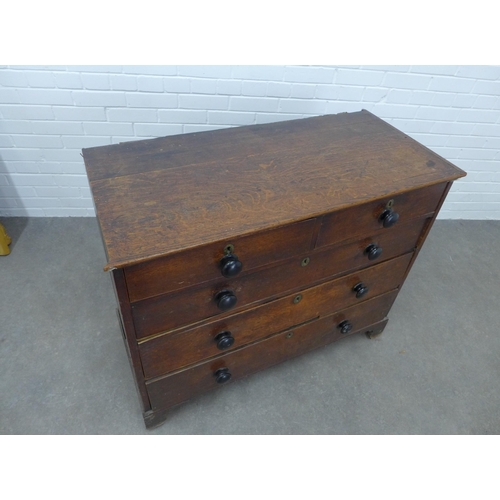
[162, 196]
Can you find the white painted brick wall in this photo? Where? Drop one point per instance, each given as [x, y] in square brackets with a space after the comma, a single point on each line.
[49, 113]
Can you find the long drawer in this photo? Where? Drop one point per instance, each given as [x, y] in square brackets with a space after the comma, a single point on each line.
[171, 352]
[181, 386]
[168, 312]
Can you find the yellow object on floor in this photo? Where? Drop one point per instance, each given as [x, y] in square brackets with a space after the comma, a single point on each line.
[4, 241]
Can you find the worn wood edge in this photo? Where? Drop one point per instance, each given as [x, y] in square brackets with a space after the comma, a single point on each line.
[155, 418]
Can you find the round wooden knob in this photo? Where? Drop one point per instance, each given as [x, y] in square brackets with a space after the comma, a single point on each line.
[222, 375]
[345, 326]
[360, 290]
[389, 218]
[225, 300]
[373, 251]
[230, 265]
[224, 340]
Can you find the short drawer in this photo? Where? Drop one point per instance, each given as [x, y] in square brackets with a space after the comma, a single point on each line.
[168, 312]
[172, 352]
[366, 219]
[198, 265]
[181, 386]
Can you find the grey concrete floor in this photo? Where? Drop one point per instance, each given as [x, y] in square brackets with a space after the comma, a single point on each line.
[435, 369]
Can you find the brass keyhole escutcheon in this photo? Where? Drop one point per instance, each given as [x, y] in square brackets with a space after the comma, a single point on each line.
[289, 335]
[228, 249]
[305, 261]
[297, 299]
[390, 204]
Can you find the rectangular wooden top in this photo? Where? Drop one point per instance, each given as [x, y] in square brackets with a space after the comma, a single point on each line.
[159, 196]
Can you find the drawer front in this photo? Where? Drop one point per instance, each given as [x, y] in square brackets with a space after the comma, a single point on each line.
[365, 219]
[164, 313]
[181, 386]
[175, 351]
[202, 264]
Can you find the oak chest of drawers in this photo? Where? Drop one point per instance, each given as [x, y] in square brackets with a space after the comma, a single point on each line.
[236, 249]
